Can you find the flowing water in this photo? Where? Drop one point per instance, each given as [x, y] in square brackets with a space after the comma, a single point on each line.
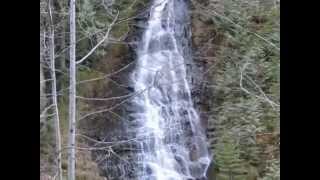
[173, 142]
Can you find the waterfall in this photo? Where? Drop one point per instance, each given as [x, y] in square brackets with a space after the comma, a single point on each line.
[173, 143]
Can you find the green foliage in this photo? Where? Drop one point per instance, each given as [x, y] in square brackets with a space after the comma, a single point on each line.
[245, 77]
[227, 156]
[127, 9]
[94, 18]
[273, 170]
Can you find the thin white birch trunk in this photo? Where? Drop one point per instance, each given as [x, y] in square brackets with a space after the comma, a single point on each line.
[72, 93]
[54, 95]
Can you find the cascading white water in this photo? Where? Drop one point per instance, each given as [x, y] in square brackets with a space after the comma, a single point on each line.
[167, 126]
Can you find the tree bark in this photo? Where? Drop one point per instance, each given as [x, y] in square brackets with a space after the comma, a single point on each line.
[54, 94]
[72, 93]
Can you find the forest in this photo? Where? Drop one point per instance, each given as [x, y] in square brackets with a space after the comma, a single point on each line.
[160, 90]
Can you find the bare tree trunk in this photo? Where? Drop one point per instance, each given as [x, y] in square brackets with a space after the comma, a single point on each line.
[63, 45]
[62, 6]
[54, 94]
[72, 93]
[43, 100]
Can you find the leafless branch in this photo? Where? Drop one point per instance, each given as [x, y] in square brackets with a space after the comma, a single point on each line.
[106, 99]
[46, 80]
[45, 110]
[107, 75]
[111, 108]
[206, 12]
[104, 38]
[263, 97]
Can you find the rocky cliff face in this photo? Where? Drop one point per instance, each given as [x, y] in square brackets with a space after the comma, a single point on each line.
[203, 57]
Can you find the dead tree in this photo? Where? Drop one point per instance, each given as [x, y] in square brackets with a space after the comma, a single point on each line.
[72, 93]
[54, 92]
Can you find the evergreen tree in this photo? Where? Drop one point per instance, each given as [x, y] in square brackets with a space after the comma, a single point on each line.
[228, 157]
[273, 170]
